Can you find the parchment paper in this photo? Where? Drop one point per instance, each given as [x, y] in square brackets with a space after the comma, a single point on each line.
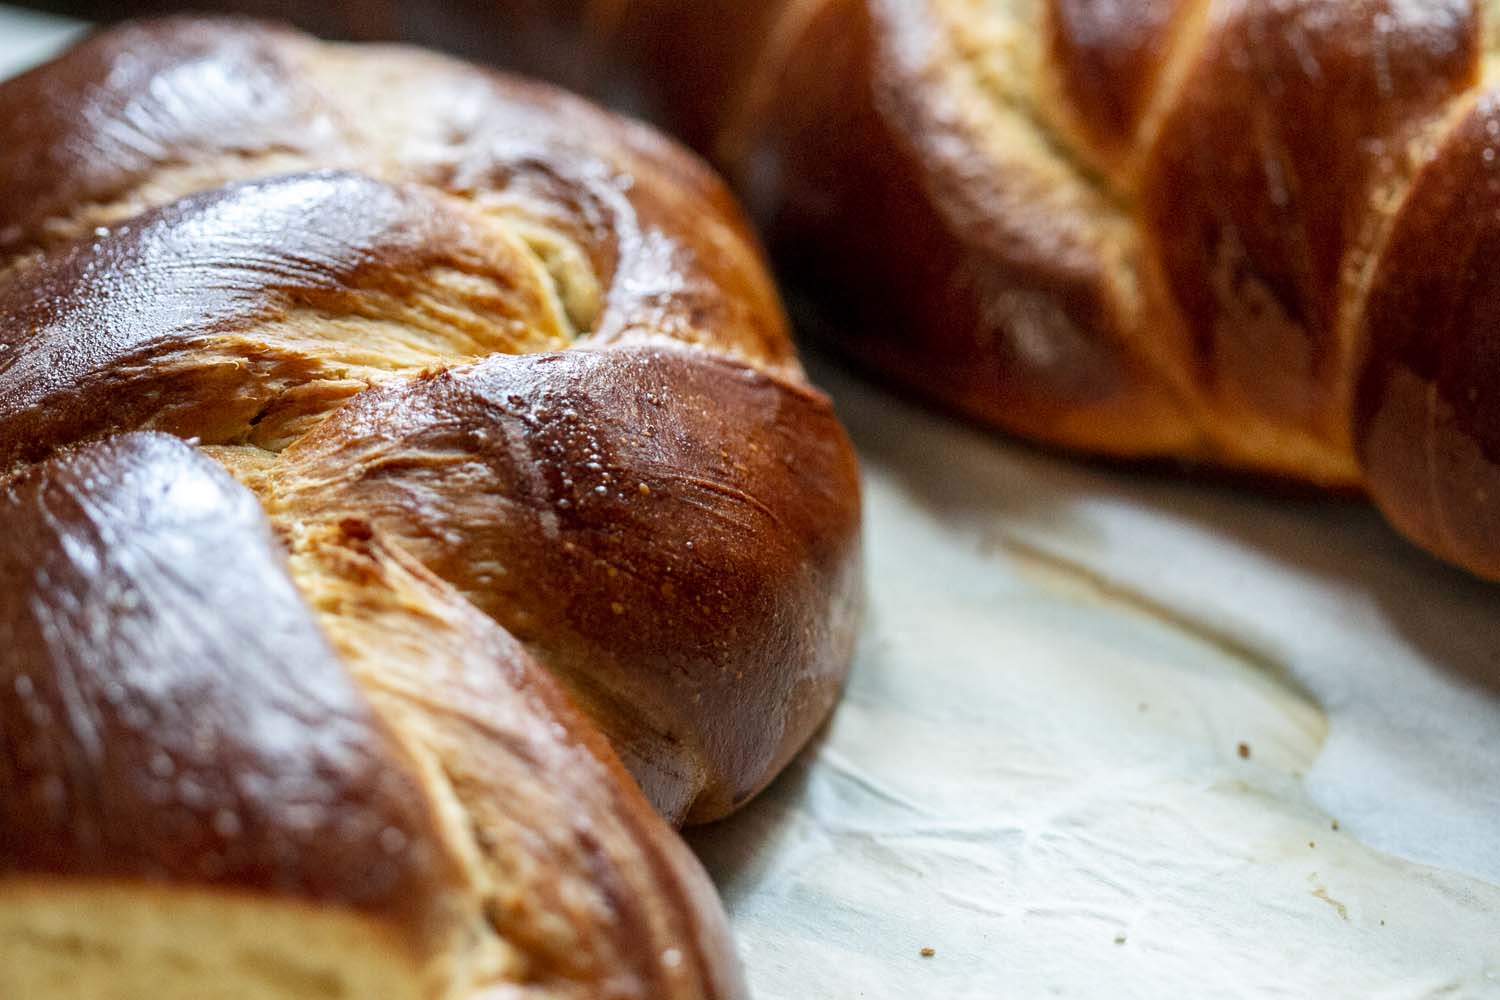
[1114, 735]
[1121, 735]
[26, 38]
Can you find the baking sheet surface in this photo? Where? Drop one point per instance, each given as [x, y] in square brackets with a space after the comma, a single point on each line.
[1112, 735]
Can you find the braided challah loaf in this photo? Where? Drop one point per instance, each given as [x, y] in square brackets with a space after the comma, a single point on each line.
[361, 414]
[1253, 233]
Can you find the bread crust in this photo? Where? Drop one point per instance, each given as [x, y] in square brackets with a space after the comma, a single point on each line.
[1214, 224]
[1167, 229]
[165, 718]
[509, 380]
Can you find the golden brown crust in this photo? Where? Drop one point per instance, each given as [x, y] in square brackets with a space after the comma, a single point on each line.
[164, 719]
[168, 722]
[1257, 192]
[580, 888]
[1135, 283]
[1427, 426]
[97, 341]
[1110, 57]
[1001, 299]
[1203, 191]
[90, 127]
[1148, 229]
[672, 525]
[278, 286]
[270, 247]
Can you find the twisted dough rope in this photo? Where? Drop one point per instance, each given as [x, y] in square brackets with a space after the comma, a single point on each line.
[508, 379]
[1245, 232]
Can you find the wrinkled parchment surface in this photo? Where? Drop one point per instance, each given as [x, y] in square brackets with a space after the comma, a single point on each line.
[26, 38]
[1037, 769]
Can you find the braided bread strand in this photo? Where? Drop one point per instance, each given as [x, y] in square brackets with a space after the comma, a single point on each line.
[524, 488]
[1245, 233]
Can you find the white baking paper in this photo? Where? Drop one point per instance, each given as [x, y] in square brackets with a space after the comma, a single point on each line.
[27, 37]
[1037, 769]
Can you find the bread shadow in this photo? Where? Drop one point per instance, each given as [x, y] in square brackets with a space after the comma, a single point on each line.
[738, 851]
[983, 481]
